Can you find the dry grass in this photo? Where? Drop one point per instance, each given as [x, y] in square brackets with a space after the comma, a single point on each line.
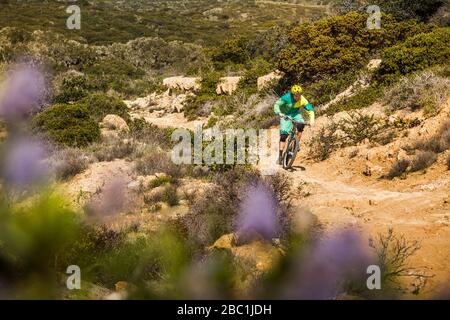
[114, 149]
[398, 169]
[423, 160]
[438, 143]
[394, 253]
[69, 162]
[156, 161]
[426, 91]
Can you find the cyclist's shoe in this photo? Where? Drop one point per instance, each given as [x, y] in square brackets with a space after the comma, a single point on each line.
[280, 160]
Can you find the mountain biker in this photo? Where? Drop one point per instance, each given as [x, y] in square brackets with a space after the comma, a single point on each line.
[291, 105]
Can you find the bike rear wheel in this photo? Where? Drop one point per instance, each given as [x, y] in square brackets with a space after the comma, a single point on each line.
[290, 154]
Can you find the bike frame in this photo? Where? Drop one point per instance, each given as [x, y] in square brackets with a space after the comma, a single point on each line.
[290, 152]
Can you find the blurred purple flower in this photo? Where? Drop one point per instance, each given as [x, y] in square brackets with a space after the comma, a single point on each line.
[23, 92]
[258, 214]
[23, 163]
[328, 265]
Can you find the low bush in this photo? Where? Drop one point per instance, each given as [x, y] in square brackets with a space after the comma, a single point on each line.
[325, 90]
[394, 254]
[150, 134]
[398, 169]
[74, 86]
[249, 80]
[358, 127]
[416, 53]
[66, 124]
[170, 196]
[156, 161]
[116, 149]
[100, 105]
[69, 162]
[437, 143]
[362, 99]
[423, 160]
[159, 181]
[207, 94]
[324, 142]
[214, 214]
[424, 90]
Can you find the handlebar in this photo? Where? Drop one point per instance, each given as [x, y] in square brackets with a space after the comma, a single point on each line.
[290, 119]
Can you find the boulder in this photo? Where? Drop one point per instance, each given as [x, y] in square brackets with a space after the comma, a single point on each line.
[371, 169]
[268, 78]
[115, 122]
[167, 103]
[177, 104]
[227, 85]
[139, 103]
[374, 64]
[191, 84]
[258, 257]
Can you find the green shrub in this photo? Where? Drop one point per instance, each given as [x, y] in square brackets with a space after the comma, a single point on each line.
[362, 99]
[258, 68]
[120, 76]
[358, 127]
[232, 51]
[170, 196]
[401, 9]
[208, 84]
[416, 53]
[338, 44]
[207, 93]
[150, 134]
[159, 181]
[67, 124]
[323, 91]
[73, 88]
[100, 105]
[113, 67]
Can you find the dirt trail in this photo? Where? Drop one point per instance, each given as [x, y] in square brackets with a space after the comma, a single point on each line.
[341, 199]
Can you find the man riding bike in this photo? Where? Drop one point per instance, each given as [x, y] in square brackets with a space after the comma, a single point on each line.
[291, 105]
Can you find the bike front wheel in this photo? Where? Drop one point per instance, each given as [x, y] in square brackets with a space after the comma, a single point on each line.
[290, 154]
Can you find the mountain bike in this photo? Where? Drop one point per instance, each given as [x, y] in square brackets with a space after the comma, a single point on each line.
[292, 145]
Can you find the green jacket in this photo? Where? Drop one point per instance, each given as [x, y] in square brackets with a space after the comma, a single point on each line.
[288, 106]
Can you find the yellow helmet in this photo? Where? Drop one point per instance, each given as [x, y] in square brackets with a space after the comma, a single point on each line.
[296, 89]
